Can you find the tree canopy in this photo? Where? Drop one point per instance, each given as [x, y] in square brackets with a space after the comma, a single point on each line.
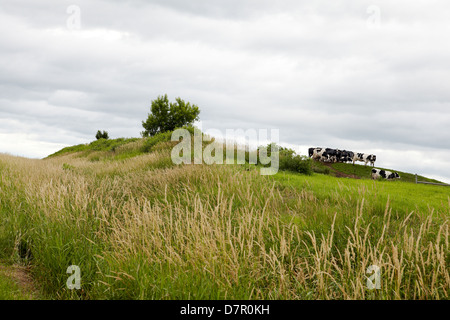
[102, 135]
[167, 116]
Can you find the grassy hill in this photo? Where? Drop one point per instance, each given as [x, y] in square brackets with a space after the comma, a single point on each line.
[140, 227]
[363, 172]
[123, 148]
[102, 147]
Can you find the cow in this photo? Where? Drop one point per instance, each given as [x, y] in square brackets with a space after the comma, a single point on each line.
[363, 157]
[377, 173]
[317, 153]
[326, 154]
[346, 156]
[333, 154]
[338, 155]
[320, 154]
[330, 155]
[327, 157]
[311, 151]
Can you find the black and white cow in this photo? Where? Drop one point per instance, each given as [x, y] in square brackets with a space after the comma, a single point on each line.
[316, 153]
[320, 154]
[325, 154]
[345, 156]
[377, 173]
[330, 155]
[363, 157]
[311, 151]
[327, 157]
[333, 154]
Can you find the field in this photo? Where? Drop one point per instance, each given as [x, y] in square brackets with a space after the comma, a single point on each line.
[140, 227]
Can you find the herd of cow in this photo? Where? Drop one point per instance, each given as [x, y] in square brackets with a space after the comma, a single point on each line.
[336, 155]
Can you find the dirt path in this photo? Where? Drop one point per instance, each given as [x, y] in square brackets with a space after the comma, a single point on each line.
[16, 283]
[340, 174]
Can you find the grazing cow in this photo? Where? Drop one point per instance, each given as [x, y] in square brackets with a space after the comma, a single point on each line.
[317, 153]
[321, 154]
[377, 173]
[311, 151]
[363, 157]
[327, 157]
[333, 154]
[340, 155]
[346, 156]
[330, 155]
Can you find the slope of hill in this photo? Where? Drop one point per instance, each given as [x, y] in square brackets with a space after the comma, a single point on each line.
[140, 227]
[358, 171]
[123, 148]
[101, 145]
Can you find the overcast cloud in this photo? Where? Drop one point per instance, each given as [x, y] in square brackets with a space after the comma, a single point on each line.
[367, 76]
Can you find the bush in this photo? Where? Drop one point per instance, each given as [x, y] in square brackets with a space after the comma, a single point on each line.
[296, 163]
[289, 160]
[109, 145]
[102, 135]
[150, 142]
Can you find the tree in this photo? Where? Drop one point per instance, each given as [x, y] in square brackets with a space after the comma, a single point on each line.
[102, 135]
[167, 116]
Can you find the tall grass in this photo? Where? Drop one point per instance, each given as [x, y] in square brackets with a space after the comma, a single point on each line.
[141, 228]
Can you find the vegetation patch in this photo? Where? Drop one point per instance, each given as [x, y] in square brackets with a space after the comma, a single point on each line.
[142, 228]
[16, 284]
[109, 145]
[365, 172]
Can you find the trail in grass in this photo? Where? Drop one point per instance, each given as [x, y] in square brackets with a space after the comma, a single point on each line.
[16, 284]
[341, 174]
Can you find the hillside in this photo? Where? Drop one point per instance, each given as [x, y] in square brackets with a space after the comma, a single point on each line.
[123, 148]
[103, 147]
[359, 171]
[140, 227]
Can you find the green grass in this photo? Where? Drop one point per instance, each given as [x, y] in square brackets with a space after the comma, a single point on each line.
[10, 288]
[141, 227]
[98, 145]
[404, 197]
[365, 172]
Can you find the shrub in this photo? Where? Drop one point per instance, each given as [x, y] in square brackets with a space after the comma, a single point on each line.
[150, 142]
[289, 160]
[295, 163]
[109, 145]
[102, 135]
[161, 137]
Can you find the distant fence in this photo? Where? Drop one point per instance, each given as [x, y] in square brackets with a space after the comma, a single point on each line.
[432, 183]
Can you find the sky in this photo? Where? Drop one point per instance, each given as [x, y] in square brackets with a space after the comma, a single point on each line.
[367, 76]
